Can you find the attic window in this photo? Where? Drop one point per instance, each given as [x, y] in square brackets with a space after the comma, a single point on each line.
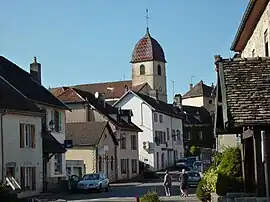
[142, 70]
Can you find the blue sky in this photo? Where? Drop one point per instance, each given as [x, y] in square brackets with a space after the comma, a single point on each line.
[87, 41]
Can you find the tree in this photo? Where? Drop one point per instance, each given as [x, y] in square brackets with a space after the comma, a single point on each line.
[195, 150]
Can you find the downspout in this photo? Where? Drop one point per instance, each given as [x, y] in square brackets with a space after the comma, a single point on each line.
[2, 145]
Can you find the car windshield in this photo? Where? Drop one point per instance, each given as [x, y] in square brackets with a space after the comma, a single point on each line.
[91, 177]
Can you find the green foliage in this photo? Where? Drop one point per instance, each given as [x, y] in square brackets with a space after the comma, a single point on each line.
[225, 175]
[150, 197]
[6, 195]
[195, 150]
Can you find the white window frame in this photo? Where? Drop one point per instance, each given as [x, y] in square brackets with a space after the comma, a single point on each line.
[27, 135]
[155, 117]
[160, 118]
[28, 178]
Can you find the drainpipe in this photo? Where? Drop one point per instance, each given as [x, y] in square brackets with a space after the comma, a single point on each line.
[2, 145]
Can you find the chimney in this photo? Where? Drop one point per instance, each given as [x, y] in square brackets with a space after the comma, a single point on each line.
[178, 101]
[190, 86]
[35, 70]
[153, 94]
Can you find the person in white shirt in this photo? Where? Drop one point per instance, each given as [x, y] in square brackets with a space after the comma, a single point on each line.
[168, 183]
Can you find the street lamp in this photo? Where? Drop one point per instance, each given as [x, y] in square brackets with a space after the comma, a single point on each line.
[51, 125]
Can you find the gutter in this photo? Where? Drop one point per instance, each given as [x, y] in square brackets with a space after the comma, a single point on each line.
[243, 23]
[2, 144]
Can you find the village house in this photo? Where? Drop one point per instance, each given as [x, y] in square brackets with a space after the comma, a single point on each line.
[20, 134]
[52, 128]
[198, 127]
[200, 95]
[96, 146]
[243, 94]
[161, 141]
[87, 107]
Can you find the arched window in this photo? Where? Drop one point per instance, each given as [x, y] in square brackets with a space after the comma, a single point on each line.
[159, 70]
[100, 163]
[112, 164]
[142, 70]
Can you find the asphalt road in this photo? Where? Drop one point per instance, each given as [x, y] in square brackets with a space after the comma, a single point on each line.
[128, 192]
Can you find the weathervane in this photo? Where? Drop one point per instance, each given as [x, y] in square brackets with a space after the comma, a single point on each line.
[147, 17]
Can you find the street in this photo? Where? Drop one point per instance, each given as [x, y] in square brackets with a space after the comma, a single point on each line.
[127, 192]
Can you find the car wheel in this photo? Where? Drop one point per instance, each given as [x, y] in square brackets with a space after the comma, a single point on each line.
[99, 188]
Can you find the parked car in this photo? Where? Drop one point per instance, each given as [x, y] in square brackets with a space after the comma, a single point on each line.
[191, 160]
[93, 181]
[181, 163]
[197, 165]
[194, 177]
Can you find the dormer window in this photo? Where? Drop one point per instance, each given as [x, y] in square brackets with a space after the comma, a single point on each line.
[142, 70]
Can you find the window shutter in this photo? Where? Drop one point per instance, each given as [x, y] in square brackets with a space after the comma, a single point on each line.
[33, 178]
[22, 178]
[33, 133]
[21, 135]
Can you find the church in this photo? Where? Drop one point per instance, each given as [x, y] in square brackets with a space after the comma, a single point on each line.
[148, 74]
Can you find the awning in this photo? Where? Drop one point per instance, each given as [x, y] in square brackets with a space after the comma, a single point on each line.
[51, 145]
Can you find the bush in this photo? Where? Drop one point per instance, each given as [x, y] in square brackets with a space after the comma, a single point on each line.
[224, 176]
[150, 197]
[6, 195]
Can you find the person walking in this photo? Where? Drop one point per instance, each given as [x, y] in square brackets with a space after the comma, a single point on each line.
[183, 183]
[168, 183]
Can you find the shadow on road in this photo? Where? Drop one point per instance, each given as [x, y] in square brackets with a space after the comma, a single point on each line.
[128, 191]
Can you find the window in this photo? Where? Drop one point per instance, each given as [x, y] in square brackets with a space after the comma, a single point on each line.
[168, 134]
[123, 166]
[133, 142]
[201, 135]
[155, 117]
[178, 134]
[99, 163]
[159, 70]
[253, 53]
[142, 70]
[27, 136]
[112, 164]
[173, 135]
[134, 165]
[28, 178]
[160, 118]
[56, 117]
[123, 142]
[266, 49]
[210, 101]
[58, 164]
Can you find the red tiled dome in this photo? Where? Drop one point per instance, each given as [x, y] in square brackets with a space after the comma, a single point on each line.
[148, 49]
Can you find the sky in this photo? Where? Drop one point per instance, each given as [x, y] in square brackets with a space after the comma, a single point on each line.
[88, 41]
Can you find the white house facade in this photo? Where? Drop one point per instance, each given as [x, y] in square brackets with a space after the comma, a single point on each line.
[161, 142]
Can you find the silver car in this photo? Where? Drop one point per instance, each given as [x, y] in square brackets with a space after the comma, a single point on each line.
[94, 181]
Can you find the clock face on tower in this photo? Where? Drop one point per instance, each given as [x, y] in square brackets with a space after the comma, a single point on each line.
[160, 89]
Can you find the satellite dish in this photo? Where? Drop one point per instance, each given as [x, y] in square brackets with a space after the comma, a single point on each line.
[96, 95]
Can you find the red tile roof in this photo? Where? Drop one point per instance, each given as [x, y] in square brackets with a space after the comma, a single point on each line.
[70, 95]
[117, 86]
[148, 49]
